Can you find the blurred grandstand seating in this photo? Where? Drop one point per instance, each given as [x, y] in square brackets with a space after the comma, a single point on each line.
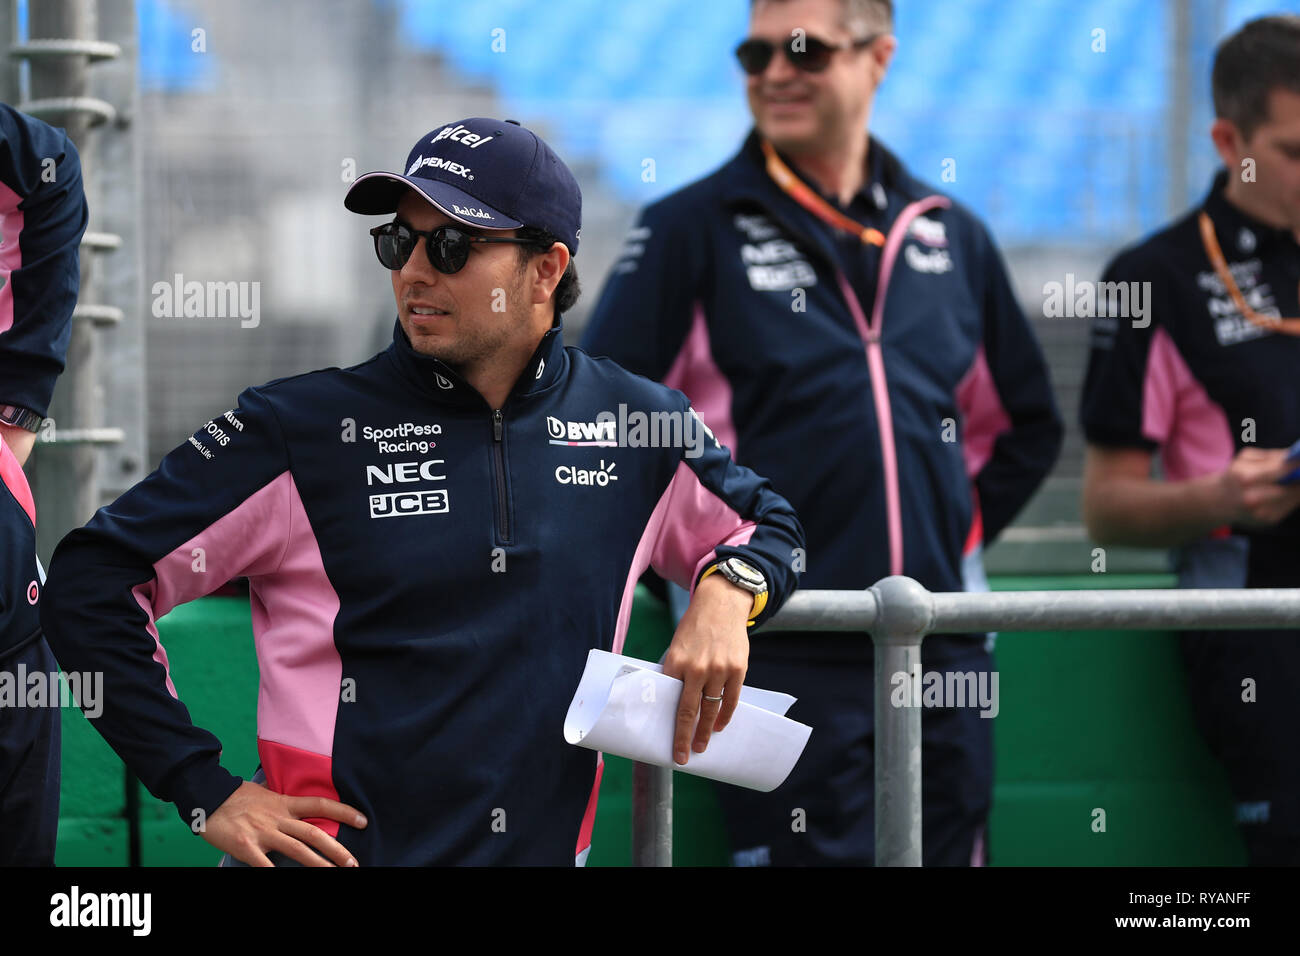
[1051, 139]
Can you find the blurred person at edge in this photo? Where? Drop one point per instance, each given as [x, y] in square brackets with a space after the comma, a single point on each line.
[43, 215]
[852, 334]
[1208, 380]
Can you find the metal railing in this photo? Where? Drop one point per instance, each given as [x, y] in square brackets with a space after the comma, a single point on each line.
[898, 613]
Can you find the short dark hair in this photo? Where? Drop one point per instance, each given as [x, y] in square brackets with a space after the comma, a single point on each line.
[860, 17]
[1259, 58]
[566, 293]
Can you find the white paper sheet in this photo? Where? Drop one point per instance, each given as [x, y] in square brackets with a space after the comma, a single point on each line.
[628, 707]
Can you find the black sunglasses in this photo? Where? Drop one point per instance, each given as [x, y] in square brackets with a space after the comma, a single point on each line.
[804, 52]
[447, 246]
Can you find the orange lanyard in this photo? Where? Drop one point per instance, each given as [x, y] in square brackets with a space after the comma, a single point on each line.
[799, 191]
[1211, 242]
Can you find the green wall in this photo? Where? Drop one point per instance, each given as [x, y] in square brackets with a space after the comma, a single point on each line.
[1087, 721]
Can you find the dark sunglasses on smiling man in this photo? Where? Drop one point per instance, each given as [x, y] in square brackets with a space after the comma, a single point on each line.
[446, 246]
[806, 53]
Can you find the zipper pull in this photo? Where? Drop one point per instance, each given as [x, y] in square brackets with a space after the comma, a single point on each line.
[496, 424]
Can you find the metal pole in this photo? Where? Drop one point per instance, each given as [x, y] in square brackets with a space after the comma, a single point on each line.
[1179, 117]
[652, 815]
[65, 470]
[903, 621]
[1218, 609]
[899, 612]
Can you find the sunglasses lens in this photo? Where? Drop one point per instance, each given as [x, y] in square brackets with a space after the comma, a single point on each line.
[393, 247]
[754, 56]
[809, 54]
[448, 250]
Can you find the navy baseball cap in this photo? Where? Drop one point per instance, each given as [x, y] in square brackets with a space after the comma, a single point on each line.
[485, 173]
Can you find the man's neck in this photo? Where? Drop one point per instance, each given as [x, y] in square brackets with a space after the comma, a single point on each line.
[495, 378]
[839, 172]
[1250, 201]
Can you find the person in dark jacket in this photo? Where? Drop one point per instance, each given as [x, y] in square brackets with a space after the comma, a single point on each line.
[851, 334]
[434, 540]
[1206, 377]
[43, 215]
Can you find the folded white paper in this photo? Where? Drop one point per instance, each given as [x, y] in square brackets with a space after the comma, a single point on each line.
[628, 707]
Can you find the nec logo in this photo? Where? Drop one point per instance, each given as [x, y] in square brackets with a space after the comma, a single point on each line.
[404, 472]
[459, 134]
[559, 431]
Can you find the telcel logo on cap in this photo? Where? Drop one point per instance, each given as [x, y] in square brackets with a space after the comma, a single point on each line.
[460, 134]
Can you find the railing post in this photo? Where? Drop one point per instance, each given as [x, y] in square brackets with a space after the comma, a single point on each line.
[652, 815]
[904, 616]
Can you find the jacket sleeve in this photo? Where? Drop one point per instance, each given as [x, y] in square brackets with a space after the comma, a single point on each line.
[43, 215]
[216, 508]
[1111, 408]
[648, 303]
[714, 509]
[1007, 398]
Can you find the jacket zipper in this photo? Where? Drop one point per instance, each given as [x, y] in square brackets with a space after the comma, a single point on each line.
[871, 332]
[499, 464]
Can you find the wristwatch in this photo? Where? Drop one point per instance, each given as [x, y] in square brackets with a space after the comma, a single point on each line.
[20, 417]
[743, 575]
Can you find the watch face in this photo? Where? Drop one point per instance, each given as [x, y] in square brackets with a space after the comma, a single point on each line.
[746, 572]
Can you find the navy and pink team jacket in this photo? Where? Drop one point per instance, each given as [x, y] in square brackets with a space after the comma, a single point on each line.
[42, 217]
[427, 575]
[901, 404]
[1193, 378]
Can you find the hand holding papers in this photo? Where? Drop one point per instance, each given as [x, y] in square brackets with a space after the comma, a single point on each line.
[627, 707]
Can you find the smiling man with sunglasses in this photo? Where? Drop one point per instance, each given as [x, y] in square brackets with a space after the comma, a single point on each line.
[851, 334]
[434, 541]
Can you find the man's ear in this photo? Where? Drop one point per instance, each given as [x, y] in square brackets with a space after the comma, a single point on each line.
[548, 269]
[882, 54]
[1228, 141]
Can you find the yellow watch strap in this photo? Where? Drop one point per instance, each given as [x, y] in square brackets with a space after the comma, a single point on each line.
[760, 600]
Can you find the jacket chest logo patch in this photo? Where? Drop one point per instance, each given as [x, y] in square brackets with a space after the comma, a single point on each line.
[1230, 326]
[772, 262]
[934, 262]
[929, 231]
[404, 502]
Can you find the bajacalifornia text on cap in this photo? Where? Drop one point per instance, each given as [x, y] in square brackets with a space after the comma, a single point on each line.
[485, 173]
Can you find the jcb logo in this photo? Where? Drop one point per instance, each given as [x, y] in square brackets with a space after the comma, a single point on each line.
[400, 504]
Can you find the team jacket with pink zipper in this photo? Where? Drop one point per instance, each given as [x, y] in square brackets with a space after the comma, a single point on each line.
[901, 404]
[427, 575]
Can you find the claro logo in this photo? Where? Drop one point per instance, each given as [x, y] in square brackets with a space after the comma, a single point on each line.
[600, 477]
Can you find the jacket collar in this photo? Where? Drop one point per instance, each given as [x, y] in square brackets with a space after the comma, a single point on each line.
[436, 380]
[746, 183]
[1240, 233]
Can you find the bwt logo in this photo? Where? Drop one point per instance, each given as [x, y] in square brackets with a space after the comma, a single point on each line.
[404, 472]
[602, 431]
